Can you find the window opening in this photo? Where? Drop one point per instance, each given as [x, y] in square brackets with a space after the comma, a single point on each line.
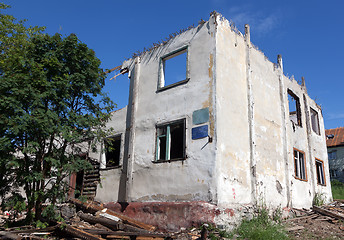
[333, 173]
[79, 184]
[300, 165]
[332, 155]
[294, 108]
[171, 141]
[320, 171]
[315, 121]
[173, 68]
[112, 151]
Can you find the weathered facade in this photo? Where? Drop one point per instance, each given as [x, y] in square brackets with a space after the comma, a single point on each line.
[335, 149]
[230, 132]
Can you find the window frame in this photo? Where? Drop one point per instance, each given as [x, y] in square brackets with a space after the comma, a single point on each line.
[312, 110]
[168, 141]
[115, 137]
[296, 172]
[317, 160]
[297, 107]
[162, 61]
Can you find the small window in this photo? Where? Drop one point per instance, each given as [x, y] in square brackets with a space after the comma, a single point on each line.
[173, 69]
[112, 151]
[294, 108]
[320, 171]
[171, 141]
[333, 173]
[300, 165]
[315, 121]
[332, 155]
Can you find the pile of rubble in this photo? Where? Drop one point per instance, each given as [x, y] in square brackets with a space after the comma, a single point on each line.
[325, 222]
[94, 222]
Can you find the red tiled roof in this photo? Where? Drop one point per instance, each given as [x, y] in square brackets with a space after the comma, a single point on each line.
[338, 138]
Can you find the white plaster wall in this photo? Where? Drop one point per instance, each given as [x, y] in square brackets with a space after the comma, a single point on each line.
[301, 191]
[107, 189]
[187, 180]
[319, 150]
[314, 146]
[233, 150]
[268, 130]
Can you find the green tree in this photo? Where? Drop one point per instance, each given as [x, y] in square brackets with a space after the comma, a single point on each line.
[51, 102]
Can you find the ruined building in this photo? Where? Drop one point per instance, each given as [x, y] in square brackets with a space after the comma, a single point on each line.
[212, 127]
[335, 149]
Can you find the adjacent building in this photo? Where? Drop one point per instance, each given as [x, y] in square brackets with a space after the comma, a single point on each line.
[335, 149]
[212, 126]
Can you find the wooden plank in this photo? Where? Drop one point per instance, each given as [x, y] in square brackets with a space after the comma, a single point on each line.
[113, 69]
[9, 236]
[303, 217]
[47, 229]
[295, 228]
[327, 213]
[101, 220]
[123, 233]
[95, 207]
[80, 233]
[149, 238]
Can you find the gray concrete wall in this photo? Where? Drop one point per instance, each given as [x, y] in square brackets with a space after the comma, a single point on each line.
[337, 164]
[191, 179]
[108, 188]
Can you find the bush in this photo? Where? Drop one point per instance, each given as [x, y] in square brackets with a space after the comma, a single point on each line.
[319, 199]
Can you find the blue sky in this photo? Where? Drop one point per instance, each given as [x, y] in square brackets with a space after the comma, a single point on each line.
[308, 34]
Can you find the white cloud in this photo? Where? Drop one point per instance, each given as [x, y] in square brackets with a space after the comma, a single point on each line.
[260, 22]
[332, 116]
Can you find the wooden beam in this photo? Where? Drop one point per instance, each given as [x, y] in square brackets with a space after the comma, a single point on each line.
[101, 220]
[328, 213]
[80, 233]
[113, 69]
[9, 236]
[94, 207]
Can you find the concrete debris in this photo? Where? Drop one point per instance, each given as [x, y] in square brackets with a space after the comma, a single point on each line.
[317, 223]
[88, 224]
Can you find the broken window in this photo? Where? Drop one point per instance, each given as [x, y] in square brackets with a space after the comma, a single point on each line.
[294, 108]
[173, 69]
[315, 121]
[300, 165]
[171, 141]
[320, 171]
[332, 155]
[112, 151]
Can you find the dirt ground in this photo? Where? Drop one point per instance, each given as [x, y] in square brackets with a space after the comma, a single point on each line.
[317, 229]
[314, 225]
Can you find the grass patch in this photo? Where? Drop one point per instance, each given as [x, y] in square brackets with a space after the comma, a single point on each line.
[337, 189]
[261, 226]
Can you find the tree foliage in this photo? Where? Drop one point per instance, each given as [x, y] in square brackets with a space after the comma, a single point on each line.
[51, 105]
